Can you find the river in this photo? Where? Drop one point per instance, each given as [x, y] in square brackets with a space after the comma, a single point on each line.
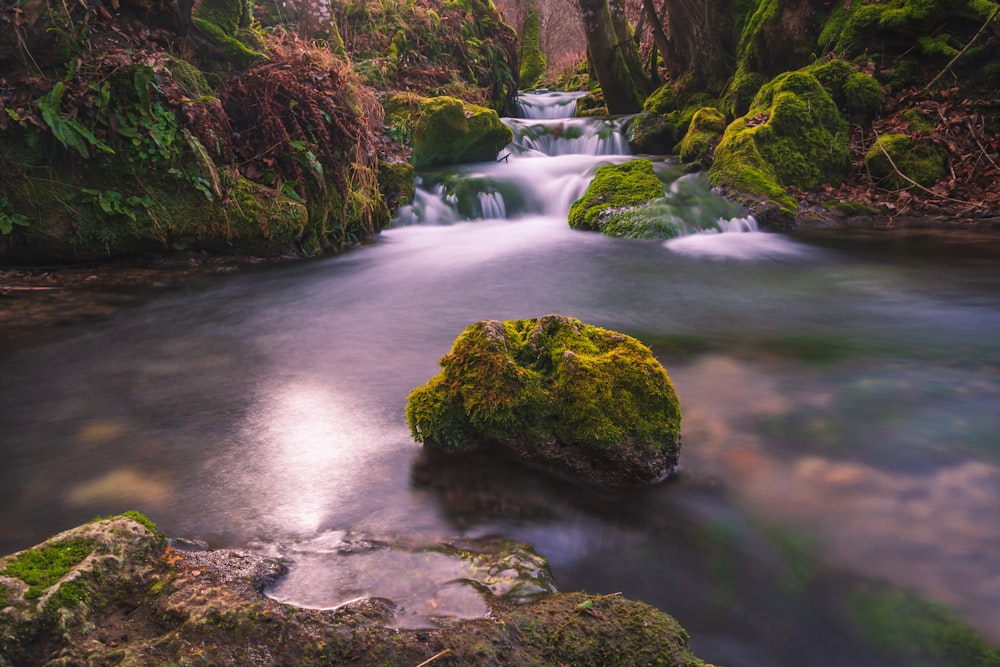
[840, 389]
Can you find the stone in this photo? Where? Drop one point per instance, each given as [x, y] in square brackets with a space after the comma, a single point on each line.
[449, 131]
[113, 592]
[556, 392]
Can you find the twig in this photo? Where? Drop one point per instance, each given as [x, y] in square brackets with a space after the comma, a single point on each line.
[906, 178]
[435, 657]
[996, 10]
[972, 133]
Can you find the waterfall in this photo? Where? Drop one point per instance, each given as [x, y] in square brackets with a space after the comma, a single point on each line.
[548, 104]
[549, 165]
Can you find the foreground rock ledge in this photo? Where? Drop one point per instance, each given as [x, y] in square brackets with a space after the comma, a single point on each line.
[569, 396]
[112, 592]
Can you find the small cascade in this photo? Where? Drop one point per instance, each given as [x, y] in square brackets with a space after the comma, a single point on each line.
[548, 104]
[570, 136]
[549, 165]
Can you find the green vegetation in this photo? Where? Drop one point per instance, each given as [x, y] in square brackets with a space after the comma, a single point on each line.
[134, 515]
[706, 126]
[614, 190]
[793, 134]
[532, 58]
[43, 566]
[899, 161]
[448, 131]
[919, 632]
[553, 390]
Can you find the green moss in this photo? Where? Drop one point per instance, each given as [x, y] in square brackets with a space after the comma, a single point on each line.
[849, 207]
[134, 515]
[661, 101]
[863, 95]
[793, 134]
[652, 134]
[919, 632]
[706, 126]
[918, 121]
[615, 188]
[395, 181]
[43, 566]
[861, 26]
[524, 385]
[740, 91]
[532, 58]
[69, 595]
[923, 163]
[447, 131]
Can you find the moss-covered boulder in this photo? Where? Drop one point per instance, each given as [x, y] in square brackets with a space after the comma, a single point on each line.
[448, 131]
[614, 191]
[901, 162]
[707, 125]
[115, 592]
[793, 134]
[652, 134]
[553, 391]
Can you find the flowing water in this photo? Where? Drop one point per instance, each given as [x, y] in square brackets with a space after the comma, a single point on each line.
[841, 397]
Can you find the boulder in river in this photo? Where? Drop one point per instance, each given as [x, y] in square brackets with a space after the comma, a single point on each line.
[114, 592]
[553, 391]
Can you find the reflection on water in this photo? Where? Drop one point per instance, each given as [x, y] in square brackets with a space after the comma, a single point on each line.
[841, 400]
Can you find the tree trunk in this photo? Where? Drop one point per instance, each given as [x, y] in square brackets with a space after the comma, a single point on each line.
[701, 39]
[609, 58]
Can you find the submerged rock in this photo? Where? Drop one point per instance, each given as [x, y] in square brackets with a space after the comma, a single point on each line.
[114, 592]
[557, 392]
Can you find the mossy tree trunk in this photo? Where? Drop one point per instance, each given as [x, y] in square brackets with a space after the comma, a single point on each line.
[614, 59]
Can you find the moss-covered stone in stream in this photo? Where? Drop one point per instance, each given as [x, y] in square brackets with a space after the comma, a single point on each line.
[557, 392]
[137, 601]
[448, 131]
[614, 190]
[793, 134]
[900, 161]
[707, 125]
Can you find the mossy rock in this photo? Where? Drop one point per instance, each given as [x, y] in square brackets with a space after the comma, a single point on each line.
[864, 96]
[395, 181]
[615, 190]
[229, 24]
[447, 131]
[919, 162]
[793, 134]
[134, 599]
[707, 125]
[556, 392]
[652, 134]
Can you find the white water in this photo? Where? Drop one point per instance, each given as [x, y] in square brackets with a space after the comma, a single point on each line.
[549, 165]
